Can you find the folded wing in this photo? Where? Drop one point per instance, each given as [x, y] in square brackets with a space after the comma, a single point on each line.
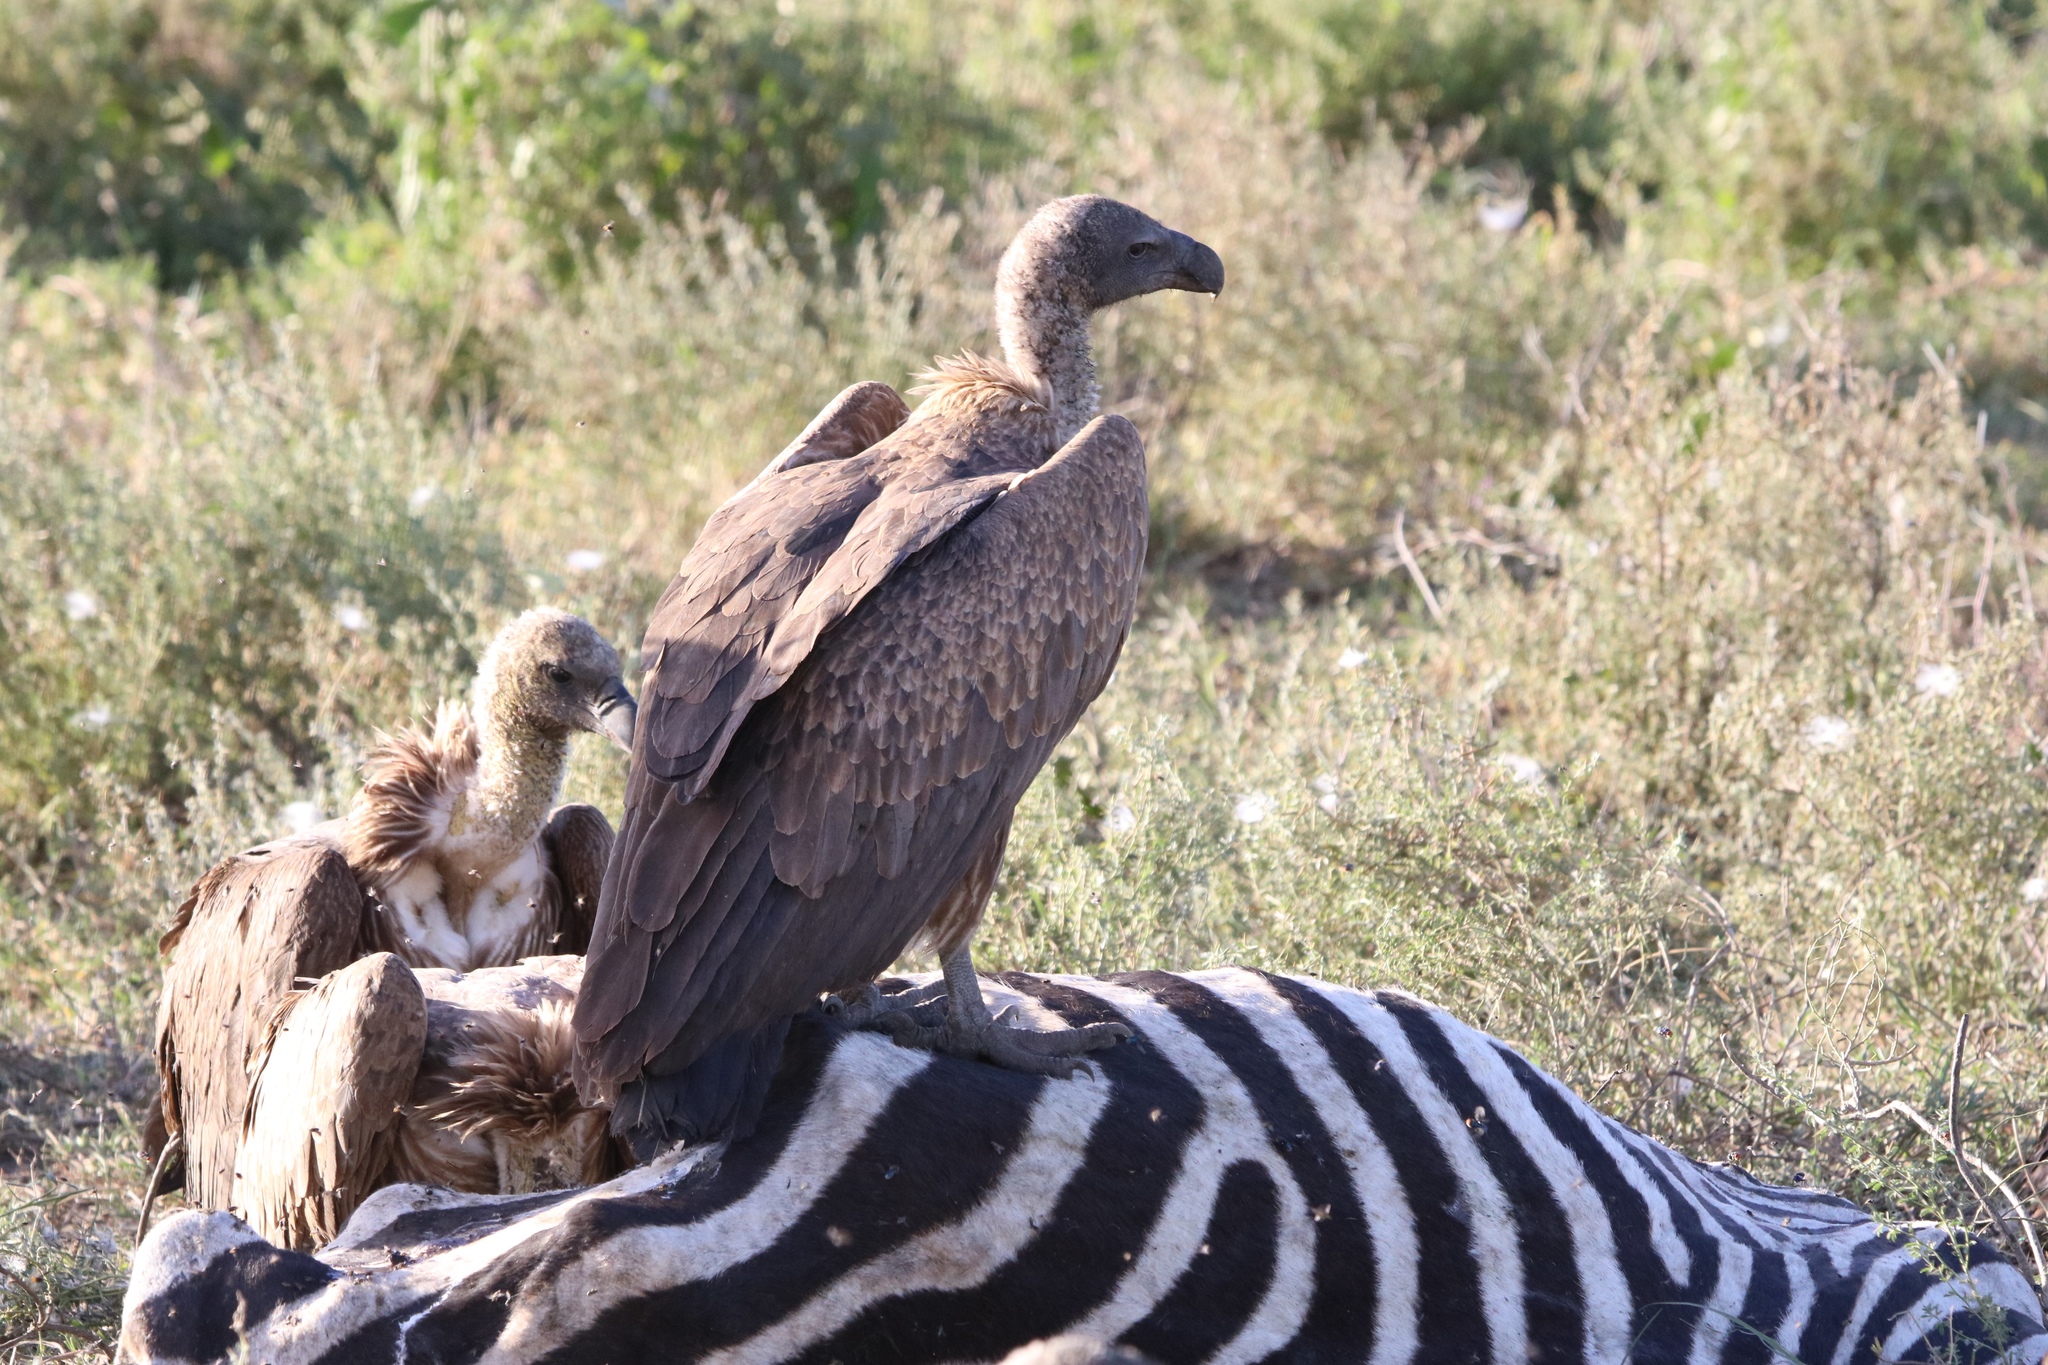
[578, 842]
[865, 788]
[252, 928]
[332, 1067]
[754, 559]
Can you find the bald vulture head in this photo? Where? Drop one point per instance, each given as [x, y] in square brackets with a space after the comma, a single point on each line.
[551, 673]
[1075, 257]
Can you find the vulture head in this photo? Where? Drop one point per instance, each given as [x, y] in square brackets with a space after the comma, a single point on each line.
[551, 673]
[1075, 257]
[1088, 252]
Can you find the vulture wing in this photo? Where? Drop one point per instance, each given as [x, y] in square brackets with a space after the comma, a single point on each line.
[578, 840]
[884, 773]
[251, 929]
[859, 417]
[329, 1074]
[742, 578]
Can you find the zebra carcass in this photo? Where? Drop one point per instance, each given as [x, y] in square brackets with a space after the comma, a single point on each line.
[1275, 1170]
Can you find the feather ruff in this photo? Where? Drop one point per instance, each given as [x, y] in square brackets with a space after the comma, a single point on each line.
[969, 380]
[516, 1078]
[406, 777]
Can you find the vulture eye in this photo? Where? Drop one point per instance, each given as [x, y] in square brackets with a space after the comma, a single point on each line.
[558, 673]
[1140, 249]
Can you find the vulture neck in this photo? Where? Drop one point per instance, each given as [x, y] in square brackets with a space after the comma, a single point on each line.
[519, 771]
[1046, 338]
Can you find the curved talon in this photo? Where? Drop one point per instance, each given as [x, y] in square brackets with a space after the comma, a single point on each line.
[1066, 1042]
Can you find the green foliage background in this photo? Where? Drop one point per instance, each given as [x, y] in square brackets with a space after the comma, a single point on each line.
[1594, 534]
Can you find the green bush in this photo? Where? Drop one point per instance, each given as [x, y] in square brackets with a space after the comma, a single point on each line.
[580, 111]
[203, 135]
[253, 564]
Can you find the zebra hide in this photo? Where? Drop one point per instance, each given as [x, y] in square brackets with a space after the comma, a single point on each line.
[1272, 1169]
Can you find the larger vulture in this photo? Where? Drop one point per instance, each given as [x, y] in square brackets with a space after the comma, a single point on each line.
[448, 858]
[860, 667]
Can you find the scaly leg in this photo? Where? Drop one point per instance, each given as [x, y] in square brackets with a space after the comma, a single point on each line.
[971, 1031]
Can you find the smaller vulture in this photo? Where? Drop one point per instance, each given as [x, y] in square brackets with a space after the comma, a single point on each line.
[448, 858]
[381, 1074]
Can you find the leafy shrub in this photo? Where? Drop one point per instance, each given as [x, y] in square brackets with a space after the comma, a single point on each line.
[580, 111]
[1511, 77]
[1775, 127]
[203, 135]
[250, 549]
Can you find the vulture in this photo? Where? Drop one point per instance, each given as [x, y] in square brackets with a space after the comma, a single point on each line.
[380, 1074]
[856, 673]
[448, 858]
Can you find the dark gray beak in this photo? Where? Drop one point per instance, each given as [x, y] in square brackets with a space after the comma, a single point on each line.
[615, 711]
[1197, 268]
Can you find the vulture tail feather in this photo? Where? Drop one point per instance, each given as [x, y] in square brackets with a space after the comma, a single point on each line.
[718, 1095]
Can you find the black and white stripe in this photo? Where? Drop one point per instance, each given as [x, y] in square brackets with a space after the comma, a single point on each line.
[1273, 1169]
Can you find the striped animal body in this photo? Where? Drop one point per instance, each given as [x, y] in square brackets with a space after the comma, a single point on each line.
[1273, 1169]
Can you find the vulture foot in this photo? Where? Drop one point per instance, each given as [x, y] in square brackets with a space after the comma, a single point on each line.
[870, 1008]
[971, 1031]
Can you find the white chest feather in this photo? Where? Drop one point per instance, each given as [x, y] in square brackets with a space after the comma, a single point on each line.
[465, 904]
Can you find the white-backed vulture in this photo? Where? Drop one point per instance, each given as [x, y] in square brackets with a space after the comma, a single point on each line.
[381, 1074]
[448, 858]
[858, 670]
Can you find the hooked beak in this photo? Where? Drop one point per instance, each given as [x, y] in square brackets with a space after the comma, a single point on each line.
[614, 712]
[1196, 268]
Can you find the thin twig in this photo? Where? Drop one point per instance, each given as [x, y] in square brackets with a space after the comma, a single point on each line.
[1414, 569]
[1983, 578]
[1926, 1125]
[174, 1150]
[2019, 547]
[1955, 1121]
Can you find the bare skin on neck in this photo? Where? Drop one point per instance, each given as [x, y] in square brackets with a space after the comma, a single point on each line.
[493, 824]
[1046, 338]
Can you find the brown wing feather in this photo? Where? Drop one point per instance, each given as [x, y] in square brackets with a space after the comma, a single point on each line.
[866, 789]
[755, 554]
[578, 840]
[251, 928]
[860, 416]
[327, 1080]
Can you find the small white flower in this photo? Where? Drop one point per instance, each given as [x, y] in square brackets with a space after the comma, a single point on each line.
[1326, 784]
[1120, 820]
[1829, 734]
[421, 496]
[1522, 768]
[1350, 659]
[2034, 890]
[1252, 808]
[1503, 217]
[1330, 803]
[1937, 680]
[93, 718]
[81, 605]
[300, 816]
[583, 561]
[351, 618]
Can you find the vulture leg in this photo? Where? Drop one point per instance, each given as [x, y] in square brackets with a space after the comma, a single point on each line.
[971, 1031]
